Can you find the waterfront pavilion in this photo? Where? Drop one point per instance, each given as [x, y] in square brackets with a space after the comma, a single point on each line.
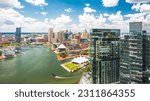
[75, 64]
[80, 60]
[61, 48]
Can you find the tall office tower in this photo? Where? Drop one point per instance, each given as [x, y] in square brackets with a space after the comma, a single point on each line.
[105, 55]
[66, 35]
[61, 37]
[51, 36]
[138, 53]
[18, 34]
[0, 37]
[85, 35]
[136, 69]
[124, 60]
[135, 27]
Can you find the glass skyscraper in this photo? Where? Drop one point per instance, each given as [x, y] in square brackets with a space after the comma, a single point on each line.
[18, 34]
[104, 49]
[135, 55]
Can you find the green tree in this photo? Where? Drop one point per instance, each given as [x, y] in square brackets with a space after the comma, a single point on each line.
[109, 35]
[63, 55]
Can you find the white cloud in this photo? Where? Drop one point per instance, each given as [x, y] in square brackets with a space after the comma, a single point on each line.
[141, 7]
[37, 2]
[61, 22]
[88, 21]
[63, 19]
[89, 10]
[115, 17]
[87, 4]
[143, 17]
[145, 8]
[110, 3]
[136, 7]
[136, 17]
[68, 10]
[137, 1]
[10, 19]
[101, 18]
[10, 4]
[87, 18]
[106, 15]
[44, 13]
[15, 19]
[115, 21]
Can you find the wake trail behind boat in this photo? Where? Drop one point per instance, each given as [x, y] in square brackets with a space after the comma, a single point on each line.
[60, 77]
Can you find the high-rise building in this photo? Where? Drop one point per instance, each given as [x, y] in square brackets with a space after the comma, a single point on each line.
[66, 36]
[0, 37]
[135, 27]
[124, 60]
[61, 37]
[78, 37]
[51, 36]
[18, 34]
[135, 57]
[85, 35]
[105, 55]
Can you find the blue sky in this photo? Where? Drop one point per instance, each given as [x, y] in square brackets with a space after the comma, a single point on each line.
[77, 15]
[57, 7]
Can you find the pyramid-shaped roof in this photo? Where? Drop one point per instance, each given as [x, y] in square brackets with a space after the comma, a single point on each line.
[61, 46]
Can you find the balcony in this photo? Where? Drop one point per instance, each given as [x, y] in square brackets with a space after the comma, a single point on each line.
[131, 51]
[123, 63]
[133, 39]
[131, 55]
[135, 63]
[133, 47]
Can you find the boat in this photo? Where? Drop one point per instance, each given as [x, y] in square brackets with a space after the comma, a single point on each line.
[53, 75]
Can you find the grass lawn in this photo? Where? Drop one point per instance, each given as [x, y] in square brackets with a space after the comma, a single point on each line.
[71, 66]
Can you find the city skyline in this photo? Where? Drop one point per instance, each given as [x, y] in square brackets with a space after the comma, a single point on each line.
[76, 15]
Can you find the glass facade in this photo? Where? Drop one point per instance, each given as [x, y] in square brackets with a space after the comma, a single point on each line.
[18, 35]
[105, 55]
[135, 57]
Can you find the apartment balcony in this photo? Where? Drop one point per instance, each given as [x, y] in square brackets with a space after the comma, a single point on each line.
[139, 57]
[131, 51]
[136, 68]
[124, 69]
[127, 76]
[131, 55]
[133, 39]
[133, 43]
[136, 64]
[133, 47]
[135, 59]
[136, 80]
[124, 64]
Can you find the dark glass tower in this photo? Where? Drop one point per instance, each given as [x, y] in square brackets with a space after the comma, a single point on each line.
[105, 55]
[18, 34]
[124, 60]
[135, 56]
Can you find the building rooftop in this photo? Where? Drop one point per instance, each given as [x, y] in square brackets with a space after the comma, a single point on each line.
[61, 46]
